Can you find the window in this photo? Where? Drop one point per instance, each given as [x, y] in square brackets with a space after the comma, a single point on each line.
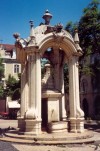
[84, 86]
[16, 68]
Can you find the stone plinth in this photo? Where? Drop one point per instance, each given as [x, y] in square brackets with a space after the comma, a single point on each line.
[80, 125]
[73, 125]
[76, 125]
[33, 127]
[21, 124]
[61, 126]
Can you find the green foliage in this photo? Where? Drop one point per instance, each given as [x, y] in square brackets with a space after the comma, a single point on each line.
[96, 70]
[89, 28]
[1, 69]
[1, 91]
[86, 69]
[1, 76]
[89, 32]
[70, 27]
[13, 87]
[89, 35]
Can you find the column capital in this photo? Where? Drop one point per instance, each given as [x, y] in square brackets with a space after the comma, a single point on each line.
[32, 57]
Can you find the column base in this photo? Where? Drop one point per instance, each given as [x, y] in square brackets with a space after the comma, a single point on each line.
[80, 125]
[64, 118]
[33, 127]
[72, 127]
[76, 125]
[21, 124]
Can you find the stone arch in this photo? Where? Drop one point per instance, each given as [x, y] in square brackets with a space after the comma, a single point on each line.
[64, 43]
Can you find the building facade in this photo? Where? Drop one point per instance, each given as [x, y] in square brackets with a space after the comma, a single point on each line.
[90, 87]
[11, 67]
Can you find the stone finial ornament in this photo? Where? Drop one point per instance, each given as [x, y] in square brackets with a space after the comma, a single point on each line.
[76, 37]
[31, 23]
[47, 17]
[20, 42]
[76, 40]
[16, 36]
[32, 34]
[59, 27]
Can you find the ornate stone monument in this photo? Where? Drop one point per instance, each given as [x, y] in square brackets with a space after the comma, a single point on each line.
[43, 99]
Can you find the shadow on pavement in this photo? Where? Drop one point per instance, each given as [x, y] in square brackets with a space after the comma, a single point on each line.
[7, 146]
[94, 126]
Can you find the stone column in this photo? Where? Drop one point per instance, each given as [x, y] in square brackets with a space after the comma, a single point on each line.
[24, 90]
[23, 81]
[27, 89]
[62, 102]
[31, 113]
[24, 96]
[38, 85]
[79, 112]
[72, 99]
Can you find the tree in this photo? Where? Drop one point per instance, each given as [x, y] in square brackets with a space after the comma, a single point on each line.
[13, 87]
[1, 69]
[89, 34]
[70, 27]
[89, 28]
[1, 91]
[1, 76]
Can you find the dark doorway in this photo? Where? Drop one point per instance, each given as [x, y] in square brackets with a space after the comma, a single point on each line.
[85, 108]
[44, 113]
[97, 105]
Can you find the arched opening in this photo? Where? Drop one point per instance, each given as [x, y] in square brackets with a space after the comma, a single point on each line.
[97, 105]
[47, 84]
[52, 83]
[85, 108]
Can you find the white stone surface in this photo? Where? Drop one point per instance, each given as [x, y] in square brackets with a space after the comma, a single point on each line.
[31, 92]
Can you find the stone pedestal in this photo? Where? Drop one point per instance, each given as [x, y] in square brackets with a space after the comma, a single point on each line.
[54, 127]
[80, 125]
[76, 125]
[52, 105]
[21, 124]
[53, 109]
[33, 127]
[73, 125]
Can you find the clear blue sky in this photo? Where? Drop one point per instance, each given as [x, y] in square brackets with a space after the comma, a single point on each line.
[16, 14]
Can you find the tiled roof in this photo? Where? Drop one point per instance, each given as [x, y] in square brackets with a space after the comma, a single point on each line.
[8, 47]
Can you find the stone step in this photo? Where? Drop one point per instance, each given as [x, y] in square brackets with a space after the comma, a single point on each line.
[34, 142]
[47, 138]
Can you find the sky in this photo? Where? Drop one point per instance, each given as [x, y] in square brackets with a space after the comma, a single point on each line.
[16, 14]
